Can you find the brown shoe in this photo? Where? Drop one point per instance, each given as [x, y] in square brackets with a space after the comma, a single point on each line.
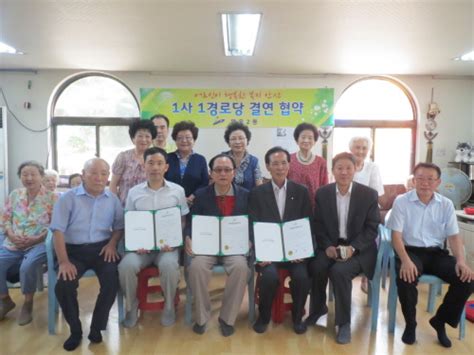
[6, 305]
[26, 313]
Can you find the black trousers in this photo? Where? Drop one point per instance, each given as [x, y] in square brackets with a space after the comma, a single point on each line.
[341, 274]
[85, 257]
[269, 281]
[438, 262]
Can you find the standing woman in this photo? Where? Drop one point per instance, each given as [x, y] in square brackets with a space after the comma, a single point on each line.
[128, 168]
[307, 168]
[26, 220]
[367, 173]
[187, 168]
[248, 174]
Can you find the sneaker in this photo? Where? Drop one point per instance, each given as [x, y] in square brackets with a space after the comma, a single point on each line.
[6, 305]
[26, 313]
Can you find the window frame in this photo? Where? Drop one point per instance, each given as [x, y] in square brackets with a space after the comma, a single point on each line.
[374, 124]
[96, 122]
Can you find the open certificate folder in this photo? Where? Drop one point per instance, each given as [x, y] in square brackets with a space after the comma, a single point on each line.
[283, 241]
[212, 235]
[152, 230]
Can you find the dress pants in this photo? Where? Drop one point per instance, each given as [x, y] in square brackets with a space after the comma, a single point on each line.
[167, 263]
[269, 280]
[85, 257]
[200, 272]
[437, 262]
[341, 274]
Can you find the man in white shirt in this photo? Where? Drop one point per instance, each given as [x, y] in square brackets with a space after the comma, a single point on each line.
[346, 217]
[421, 221]
[154, 194]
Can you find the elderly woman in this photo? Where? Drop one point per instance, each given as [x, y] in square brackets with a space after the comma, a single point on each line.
[75, 180]
[51, 180]
[367, 173]
[248, 174]
[187, 168]
[26, 220]
[128, 168]
[307, 168]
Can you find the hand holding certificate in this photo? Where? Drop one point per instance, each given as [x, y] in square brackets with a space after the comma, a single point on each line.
[212, 235]
[283, 242]
[152, 230]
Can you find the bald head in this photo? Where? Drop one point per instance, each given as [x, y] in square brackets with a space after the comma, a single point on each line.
[92, 162]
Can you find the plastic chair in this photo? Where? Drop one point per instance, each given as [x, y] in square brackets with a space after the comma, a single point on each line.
[144, 289]
[53, 306]
[435, 284]
[218, 269]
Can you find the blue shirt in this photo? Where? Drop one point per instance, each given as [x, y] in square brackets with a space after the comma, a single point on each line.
[84, 218]
[423, 225]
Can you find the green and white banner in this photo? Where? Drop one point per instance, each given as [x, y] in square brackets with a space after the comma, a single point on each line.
[209, 108]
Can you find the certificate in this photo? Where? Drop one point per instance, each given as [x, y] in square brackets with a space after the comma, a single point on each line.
[235, 235]
[152, 230]
[220, 236]
[283, 241]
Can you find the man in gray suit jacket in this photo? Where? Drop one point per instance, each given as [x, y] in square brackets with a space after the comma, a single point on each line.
[280, 200]
[345, 225]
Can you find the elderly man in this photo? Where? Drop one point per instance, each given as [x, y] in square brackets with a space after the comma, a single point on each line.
[421, 221]
[154, 194]
[280, 200]
[222, 198]
[87, 224]
[346, 217]
[162, 124]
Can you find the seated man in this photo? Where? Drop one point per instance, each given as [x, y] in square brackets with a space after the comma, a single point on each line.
[421, 221]
[87, 224]
[280, 200]
[346, 217]
[154, 194]
[222, 198]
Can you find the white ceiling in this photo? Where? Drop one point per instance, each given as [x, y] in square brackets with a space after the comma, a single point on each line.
[296, 36]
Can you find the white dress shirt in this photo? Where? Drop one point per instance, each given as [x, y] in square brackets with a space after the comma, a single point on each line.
[342, 203]
[280, 197]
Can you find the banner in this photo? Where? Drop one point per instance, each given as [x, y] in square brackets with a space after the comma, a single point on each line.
[209, 108]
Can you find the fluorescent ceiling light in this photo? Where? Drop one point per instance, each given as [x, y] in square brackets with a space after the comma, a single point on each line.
[6, 49]
[240, 33]
[466, 57]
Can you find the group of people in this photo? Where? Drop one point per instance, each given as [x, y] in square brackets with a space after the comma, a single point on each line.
[88, 222]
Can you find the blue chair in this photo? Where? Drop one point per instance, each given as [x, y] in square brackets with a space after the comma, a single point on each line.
[188, 310]
[435, 284]
[53, 307]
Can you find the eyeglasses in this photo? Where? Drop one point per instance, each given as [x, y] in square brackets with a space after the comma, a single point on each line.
[237, 139]
[184, 139]
[424, 179]
[222, 170]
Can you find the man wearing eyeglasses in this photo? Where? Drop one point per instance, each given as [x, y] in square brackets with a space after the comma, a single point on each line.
[421, 221]
[222, 198]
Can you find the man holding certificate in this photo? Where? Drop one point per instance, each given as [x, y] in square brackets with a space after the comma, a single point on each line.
[346, 217]
[155, 242]
[274, 203]
[220, 233]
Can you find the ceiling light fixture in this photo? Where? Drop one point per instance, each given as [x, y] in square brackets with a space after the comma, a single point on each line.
[466, 57]
[240, 33]
[6, 49]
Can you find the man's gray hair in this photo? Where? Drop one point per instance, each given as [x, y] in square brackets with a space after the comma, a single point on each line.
[90, 162]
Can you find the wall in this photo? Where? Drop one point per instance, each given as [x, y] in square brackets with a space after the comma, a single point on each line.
[455, 97]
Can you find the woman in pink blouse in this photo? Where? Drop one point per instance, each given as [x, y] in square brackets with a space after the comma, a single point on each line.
[128, 168]
[26, 220]
[307, 168]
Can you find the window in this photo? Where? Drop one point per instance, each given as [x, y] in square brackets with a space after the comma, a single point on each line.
[90, 114]
[384, 110]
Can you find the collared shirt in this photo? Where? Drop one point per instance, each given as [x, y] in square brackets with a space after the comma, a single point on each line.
[143, 198]
[423, 225]
[280, 197]
[28, 219]
[342, 203]
[84, 218]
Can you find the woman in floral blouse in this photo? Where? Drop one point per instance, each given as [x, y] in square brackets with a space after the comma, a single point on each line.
[128, 169]
[26, 220]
